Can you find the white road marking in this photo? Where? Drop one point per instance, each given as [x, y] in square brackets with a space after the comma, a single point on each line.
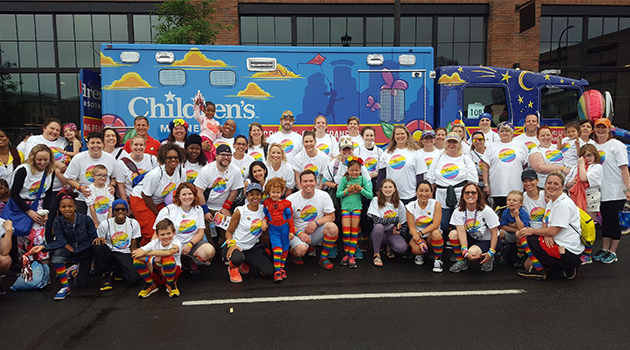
[355, 296]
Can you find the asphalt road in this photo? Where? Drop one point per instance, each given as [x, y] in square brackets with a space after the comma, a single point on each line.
[589, 312]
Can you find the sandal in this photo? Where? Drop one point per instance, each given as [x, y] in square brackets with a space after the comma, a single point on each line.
[390, 254]
[325, 264]
[376, 260]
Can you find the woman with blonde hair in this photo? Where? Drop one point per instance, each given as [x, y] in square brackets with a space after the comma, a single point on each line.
[277, 166]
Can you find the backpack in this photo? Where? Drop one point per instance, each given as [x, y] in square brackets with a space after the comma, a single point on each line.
[134, 170]
[587, 236]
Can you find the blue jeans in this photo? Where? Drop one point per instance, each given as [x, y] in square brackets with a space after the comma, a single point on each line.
[59, 257]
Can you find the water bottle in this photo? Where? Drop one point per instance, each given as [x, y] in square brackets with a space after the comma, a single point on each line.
[213, 229]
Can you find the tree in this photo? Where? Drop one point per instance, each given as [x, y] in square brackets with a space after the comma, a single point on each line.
[187, 22]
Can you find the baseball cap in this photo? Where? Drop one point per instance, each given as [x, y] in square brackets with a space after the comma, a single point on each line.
[224, 149]
[427, 133]
[287, 114]
[604, 121]
[254, 186]
[453, 136]
[345, 142]
[529, 174]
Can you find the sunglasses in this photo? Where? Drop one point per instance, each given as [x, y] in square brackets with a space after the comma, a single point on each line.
[120, 209]
[470, 193]
[478, 139]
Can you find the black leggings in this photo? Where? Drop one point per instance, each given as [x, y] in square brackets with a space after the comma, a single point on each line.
[567, 260]
[610, 218]
[253, 257]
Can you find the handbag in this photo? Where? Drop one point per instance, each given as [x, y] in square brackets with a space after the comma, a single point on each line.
[22, 223]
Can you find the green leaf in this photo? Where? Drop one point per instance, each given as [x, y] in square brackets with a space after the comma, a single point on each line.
[387, 129]
[128, 135]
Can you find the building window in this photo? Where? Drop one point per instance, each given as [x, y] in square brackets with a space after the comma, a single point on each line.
[460, 41]
[488, 99]
[144, 28]
[266, 30]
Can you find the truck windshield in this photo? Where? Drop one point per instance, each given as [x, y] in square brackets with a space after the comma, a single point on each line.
[557, 103]
[489, 99]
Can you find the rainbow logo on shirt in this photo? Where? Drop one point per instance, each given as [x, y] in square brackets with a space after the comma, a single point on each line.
[308, 213]
[191, 175]
[287, 145]
[472, 226]
[219, 143]
[428, 161]
[530, 145]
[554, 155]
[219, 185]
[546, 217]
[57, 153]
[168, 189]
[187, 226]
[537, 214]
[324, 148]
[370, 164]
[397, 162]
[390, 214]
[256, 156]
[256, 227]
[313, 168]
[507, 155]
[602, 156]
[140, 172]
[565, 147]
[449, 171]
[423, 221]
[34, 188]
[120, 240]
[101, 205]
[88, 173]
[355, 146]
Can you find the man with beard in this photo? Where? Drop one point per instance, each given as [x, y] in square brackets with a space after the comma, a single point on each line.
[288, 139]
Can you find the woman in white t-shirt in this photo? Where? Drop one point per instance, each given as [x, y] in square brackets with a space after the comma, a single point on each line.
[187, 217]
[277, 166]
[477, 150]
[402, 163]
[460, 129]
[129, 167]
[111, 143]
[195, 158]
[424, 217]
[485, 127]
[557, 245]
[324, 141]
[546, 157]
[614, 161]
[388, 214]
[241, 159]
[440, 137]
[476, 225]
[257, 146]
[503, 164]
[428, 150]
[310, 158]
[179, 132]
[534, 201]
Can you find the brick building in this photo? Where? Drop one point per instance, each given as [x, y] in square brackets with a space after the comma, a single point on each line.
[44, 43]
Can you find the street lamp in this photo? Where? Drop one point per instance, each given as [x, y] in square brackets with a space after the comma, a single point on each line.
[567, 42]
[346, 39]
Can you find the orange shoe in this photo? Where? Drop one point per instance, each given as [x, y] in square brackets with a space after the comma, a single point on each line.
[235, 276]
[244, 269]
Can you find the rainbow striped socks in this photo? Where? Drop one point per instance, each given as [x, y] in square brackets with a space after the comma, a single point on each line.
[169, 267]
[535, 263]
[143, 270]
[277, 258]
[457, 249]
[438, 248]
[327, 244]
[61, 275]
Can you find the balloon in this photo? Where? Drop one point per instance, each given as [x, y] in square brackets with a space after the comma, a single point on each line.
[591, 105]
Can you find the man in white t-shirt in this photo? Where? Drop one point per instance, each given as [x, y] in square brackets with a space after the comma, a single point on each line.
[290, 140]
[314, 220]
[79, 173]
[530, 136]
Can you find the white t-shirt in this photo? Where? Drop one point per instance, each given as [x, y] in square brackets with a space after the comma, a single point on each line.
[308, 210]
[7, 170]
[388, 211]
[465, 148]
[317, 164]
[477, 224]
[119, 153]
[102, 201]
[179, 143]
[219, 183]
[429, 157]
[284, 172]
[423, 217]
[535, 209]
[32, 183]
[118, 237]
[449, 171]
[565, 214]
[157, 245]
[504, 159]
[243, 164]
[186, 224]
[82, 165]
[57, 147]
[550, 156]
[357, 142]
[124, 174]
[477, 159]
[327, 144]
[402, 166]
[570, 151]
[192, 171]
[529, 141]
[491, 136]
[257, 152]
[613, 155]
[371, 158]
[157, 184]
[249, 227]
[224, 141]
[292, 143]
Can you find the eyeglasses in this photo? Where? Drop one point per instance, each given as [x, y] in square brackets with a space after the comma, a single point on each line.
[120, 209]
[287, 116]
[173, 158]
[478, 139]
[470, 193]
[225, 155]
[99, 175]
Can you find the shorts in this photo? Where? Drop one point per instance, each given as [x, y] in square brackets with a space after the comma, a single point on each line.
[593, 199]
[316, 238]
[197, 246]
[483, 245]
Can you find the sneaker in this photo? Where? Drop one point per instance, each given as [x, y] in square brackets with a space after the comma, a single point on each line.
[418, 260]
[609, 258]
[277, 276]
[488, 265]
[459, 266]
[172, 291]
[532, 273]
[448, 245]
[311, 252]
[519, 262]
[325, 264]
[358, 254]
[284, 274]
[586, 259]
[332, 254]
[298, 261]
[235, 276]
[72, 271]
[571, 273]
[599, 255]
[244, 269]
[352, 263]
[62, 293]
[198, 261]
[453, 258]
[148, 289]
[364, 246]
[438, 266]
[106, 282]
[344, 261]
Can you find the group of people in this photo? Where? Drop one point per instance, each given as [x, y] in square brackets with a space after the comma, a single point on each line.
[149, 211]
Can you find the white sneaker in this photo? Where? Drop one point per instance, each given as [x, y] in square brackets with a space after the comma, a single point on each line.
[419, 260]
[438, 266]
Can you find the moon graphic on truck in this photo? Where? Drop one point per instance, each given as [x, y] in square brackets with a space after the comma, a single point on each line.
[520, 82]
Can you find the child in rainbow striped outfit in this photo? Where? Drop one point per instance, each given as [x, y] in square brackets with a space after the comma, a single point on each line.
[351, 187]
[279, 217]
